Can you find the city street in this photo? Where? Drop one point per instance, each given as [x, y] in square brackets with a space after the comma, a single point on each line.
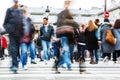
[42, 71]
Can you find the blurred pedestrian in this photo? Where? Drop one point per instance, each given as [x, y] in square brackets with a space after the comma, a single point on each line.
[81, 42]
[106, 47]
[116, 32]
[4, 46]
[13, 24]
[65, 30]
[92, 41]
[46, 32]
[27, 41]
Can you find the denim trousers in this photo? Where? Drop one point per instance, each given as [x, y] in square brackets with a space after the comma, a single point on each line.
[65, 57]
[46, 49]
[24, 49]
[94, 53]
[54, 46]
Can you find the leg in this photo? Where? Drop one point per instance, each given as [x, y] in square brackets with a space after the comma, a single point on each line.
[32, 52]
[96, 55]
[24, 56]
[14, 51]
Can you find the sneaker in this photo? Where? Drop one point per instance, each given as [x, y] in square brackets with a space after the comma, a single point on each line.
[14, 69]
[25, 67]
[41, 60]
[33, 62]
[46, 62]
[105, 59]
[57, 72]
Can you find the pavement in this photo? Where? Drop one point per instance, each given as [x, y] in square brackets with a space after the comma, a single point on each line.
[42, 71]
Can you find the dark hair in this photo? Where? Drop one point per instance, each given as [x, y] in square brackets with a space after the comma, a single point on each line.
[106, 20]
[117, 24]
[97, 21]
[45, 18]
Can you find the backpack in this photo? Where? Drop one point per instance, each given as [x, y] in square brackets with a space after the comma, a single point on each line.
[110, 37]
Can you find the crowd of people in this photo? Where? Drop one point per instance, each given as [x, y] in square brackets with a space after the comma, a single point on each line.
[64, 41]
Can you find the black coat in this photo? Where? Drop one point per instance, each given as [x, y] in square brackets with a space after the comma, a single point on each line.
[91, 40]
[46, 35]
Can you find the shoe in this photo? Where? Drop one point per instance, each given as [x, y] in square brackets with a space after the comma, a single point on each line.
[57, 72]
[106, 59]
[96, 62]
[33, 62]
[41, 60]
[92, 62]
[25, 67]
[46, 62]
[14, 69]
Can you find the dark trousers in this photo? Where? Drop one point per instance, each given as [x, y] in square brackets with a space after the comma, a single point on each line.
[71, 48]
[14, 49]
[107, 54]
[116, 54]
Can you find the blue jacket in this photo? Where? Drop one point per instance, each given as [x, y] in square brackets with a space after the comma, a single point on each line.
[105, 46]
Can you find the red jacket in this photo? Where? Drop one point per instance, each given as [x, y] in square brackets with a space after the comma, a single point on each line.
[4, 42]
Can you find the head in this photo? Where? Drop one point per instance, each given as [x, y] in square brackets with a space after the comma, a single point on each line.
[16, 5]
[97, 21]
[45, 20]
[92, 26]
[24, 8]
[117, 24]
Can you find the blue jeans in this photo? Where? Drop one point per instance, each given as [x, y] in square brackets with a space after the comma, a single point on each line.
[24, 50]
[54, 46]
[46, 49]
[65, 58]
[94, 53]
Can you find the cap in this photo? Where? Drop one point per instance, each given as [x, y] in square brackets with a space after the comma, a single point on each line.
[15, 0]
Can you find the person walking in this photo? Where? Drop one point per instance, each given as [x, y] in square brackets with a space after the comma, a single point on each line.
[92, 41]
[27, 40]
[106, 47]
[13, 24]
[46, 32]
[65, 29]
[116, 32]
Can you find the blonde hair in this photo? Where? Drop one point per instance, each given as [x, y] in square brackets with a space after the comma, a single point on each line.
[25, 12]
[92, 26]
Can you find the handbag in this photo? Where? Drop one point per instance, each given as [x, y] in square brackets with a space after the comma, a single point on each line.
[110, 37]
[63, 30]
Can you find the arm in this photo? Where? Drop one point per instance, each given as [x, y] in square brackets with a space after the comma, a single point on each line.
[8, 21]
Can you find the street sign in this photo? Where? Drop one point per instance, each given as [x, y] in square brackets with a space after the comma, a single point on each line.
[106, 14]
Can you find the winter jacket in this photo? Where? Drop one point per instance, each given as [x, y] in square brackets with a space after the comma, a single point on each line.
[105, 46]
[13, 22]
[91, 40]
[28, 31]
[46, 35]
